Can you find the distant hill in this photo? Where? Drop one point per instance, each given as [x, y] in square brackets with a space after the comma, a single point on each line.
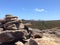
[44, 24]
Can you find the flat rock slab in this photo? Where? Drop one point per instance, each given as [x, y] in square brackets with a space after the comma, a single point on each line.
[11, 35]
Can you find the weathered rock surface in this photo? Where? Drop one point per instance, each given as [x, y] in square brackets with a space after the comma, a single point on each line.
[18, 43]
[8, 36]
[31, 42]
[41, 41]
[36, 33]
[14, 32]
[46, 41]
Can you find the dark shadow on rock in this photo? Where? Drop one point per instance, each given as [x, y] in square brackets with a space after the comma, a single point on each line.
[32, 42]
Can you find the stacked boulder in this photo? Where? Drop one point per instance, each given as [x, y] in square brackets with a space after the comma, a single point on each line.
[12, 29]
[11, 23]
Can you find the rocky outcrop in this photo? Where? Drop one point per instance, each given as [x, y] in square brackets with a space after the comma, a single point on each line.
[14, 31]
[10, 29]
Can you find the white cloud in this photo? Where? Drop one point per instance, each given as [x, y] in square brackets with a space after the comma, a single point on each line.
[39, 10]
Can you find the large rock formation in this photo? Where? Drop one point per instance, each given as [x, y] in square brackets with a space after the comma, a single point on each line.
[15, 32]
[12, 30]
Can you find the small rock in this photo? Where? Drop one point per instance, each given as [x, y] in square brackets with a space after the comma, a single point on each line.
[19, 43]
[1, 29]
[31, 42]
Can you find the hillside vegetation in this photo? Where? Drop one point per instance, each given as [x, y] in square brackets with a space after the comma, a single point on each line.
[44, 24]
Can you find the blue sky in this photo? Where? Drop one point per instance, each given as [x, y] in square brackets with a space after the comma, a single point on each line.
[31, 9]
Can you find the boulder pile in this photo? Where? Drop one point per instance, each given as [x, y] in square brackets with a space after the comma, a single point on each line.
[13, 30]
